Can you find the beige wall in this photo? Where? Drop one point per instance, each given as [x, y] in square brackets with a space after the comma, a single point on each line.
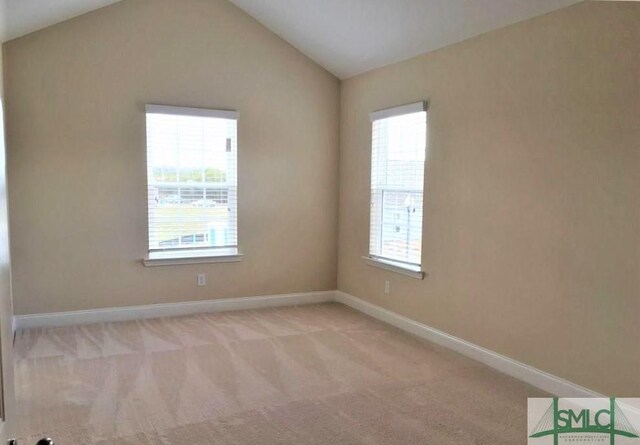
[76, 138]
[531, 237]
[6, 309]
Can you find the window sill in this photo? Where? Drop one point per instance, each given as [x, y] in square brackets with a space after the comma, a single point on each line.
[395, 267]
[193, 257]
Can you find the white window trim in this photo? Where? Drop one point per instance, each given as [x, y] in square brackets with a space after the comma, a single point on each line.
[399, 111]
[204, 256]
[393, 266]
[187, 111]
[196, 256]
[382, 263]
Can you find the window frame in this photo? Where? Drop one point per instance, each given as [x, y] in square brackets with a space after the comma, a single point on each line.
[190, 255]
[374, 258]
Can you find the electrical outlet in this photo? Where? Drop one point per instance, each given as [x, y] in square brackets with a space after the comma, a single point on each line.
[202, 280]
[387, 287]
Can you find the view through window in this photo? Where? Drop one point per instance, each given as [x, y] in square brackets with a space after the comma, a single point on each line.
[192, 178]
[397, 178]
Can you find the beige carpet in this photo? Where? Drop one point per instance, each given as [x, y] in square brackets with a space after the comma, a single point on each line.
[321, 374]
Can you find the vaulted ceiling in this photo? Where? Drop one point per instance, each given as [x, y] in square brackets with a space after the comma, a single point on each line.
[25, 16]
[347, 37]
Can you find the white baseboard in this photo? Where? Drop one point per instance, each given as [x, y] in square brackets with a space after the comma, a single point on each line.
[168, 310]
[535, 377]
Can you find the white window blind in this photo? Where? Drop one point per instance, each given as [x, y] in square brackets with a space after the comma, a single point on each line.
[397, 182]
[192, 179]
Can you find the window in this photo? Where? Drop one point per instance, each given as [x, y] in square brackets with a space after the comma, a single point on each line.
[397, 180]
[192, 182]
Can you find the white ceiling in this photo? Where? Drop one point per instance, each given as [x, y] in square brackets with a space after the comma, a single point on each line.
[347, 37]
[24, 16]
